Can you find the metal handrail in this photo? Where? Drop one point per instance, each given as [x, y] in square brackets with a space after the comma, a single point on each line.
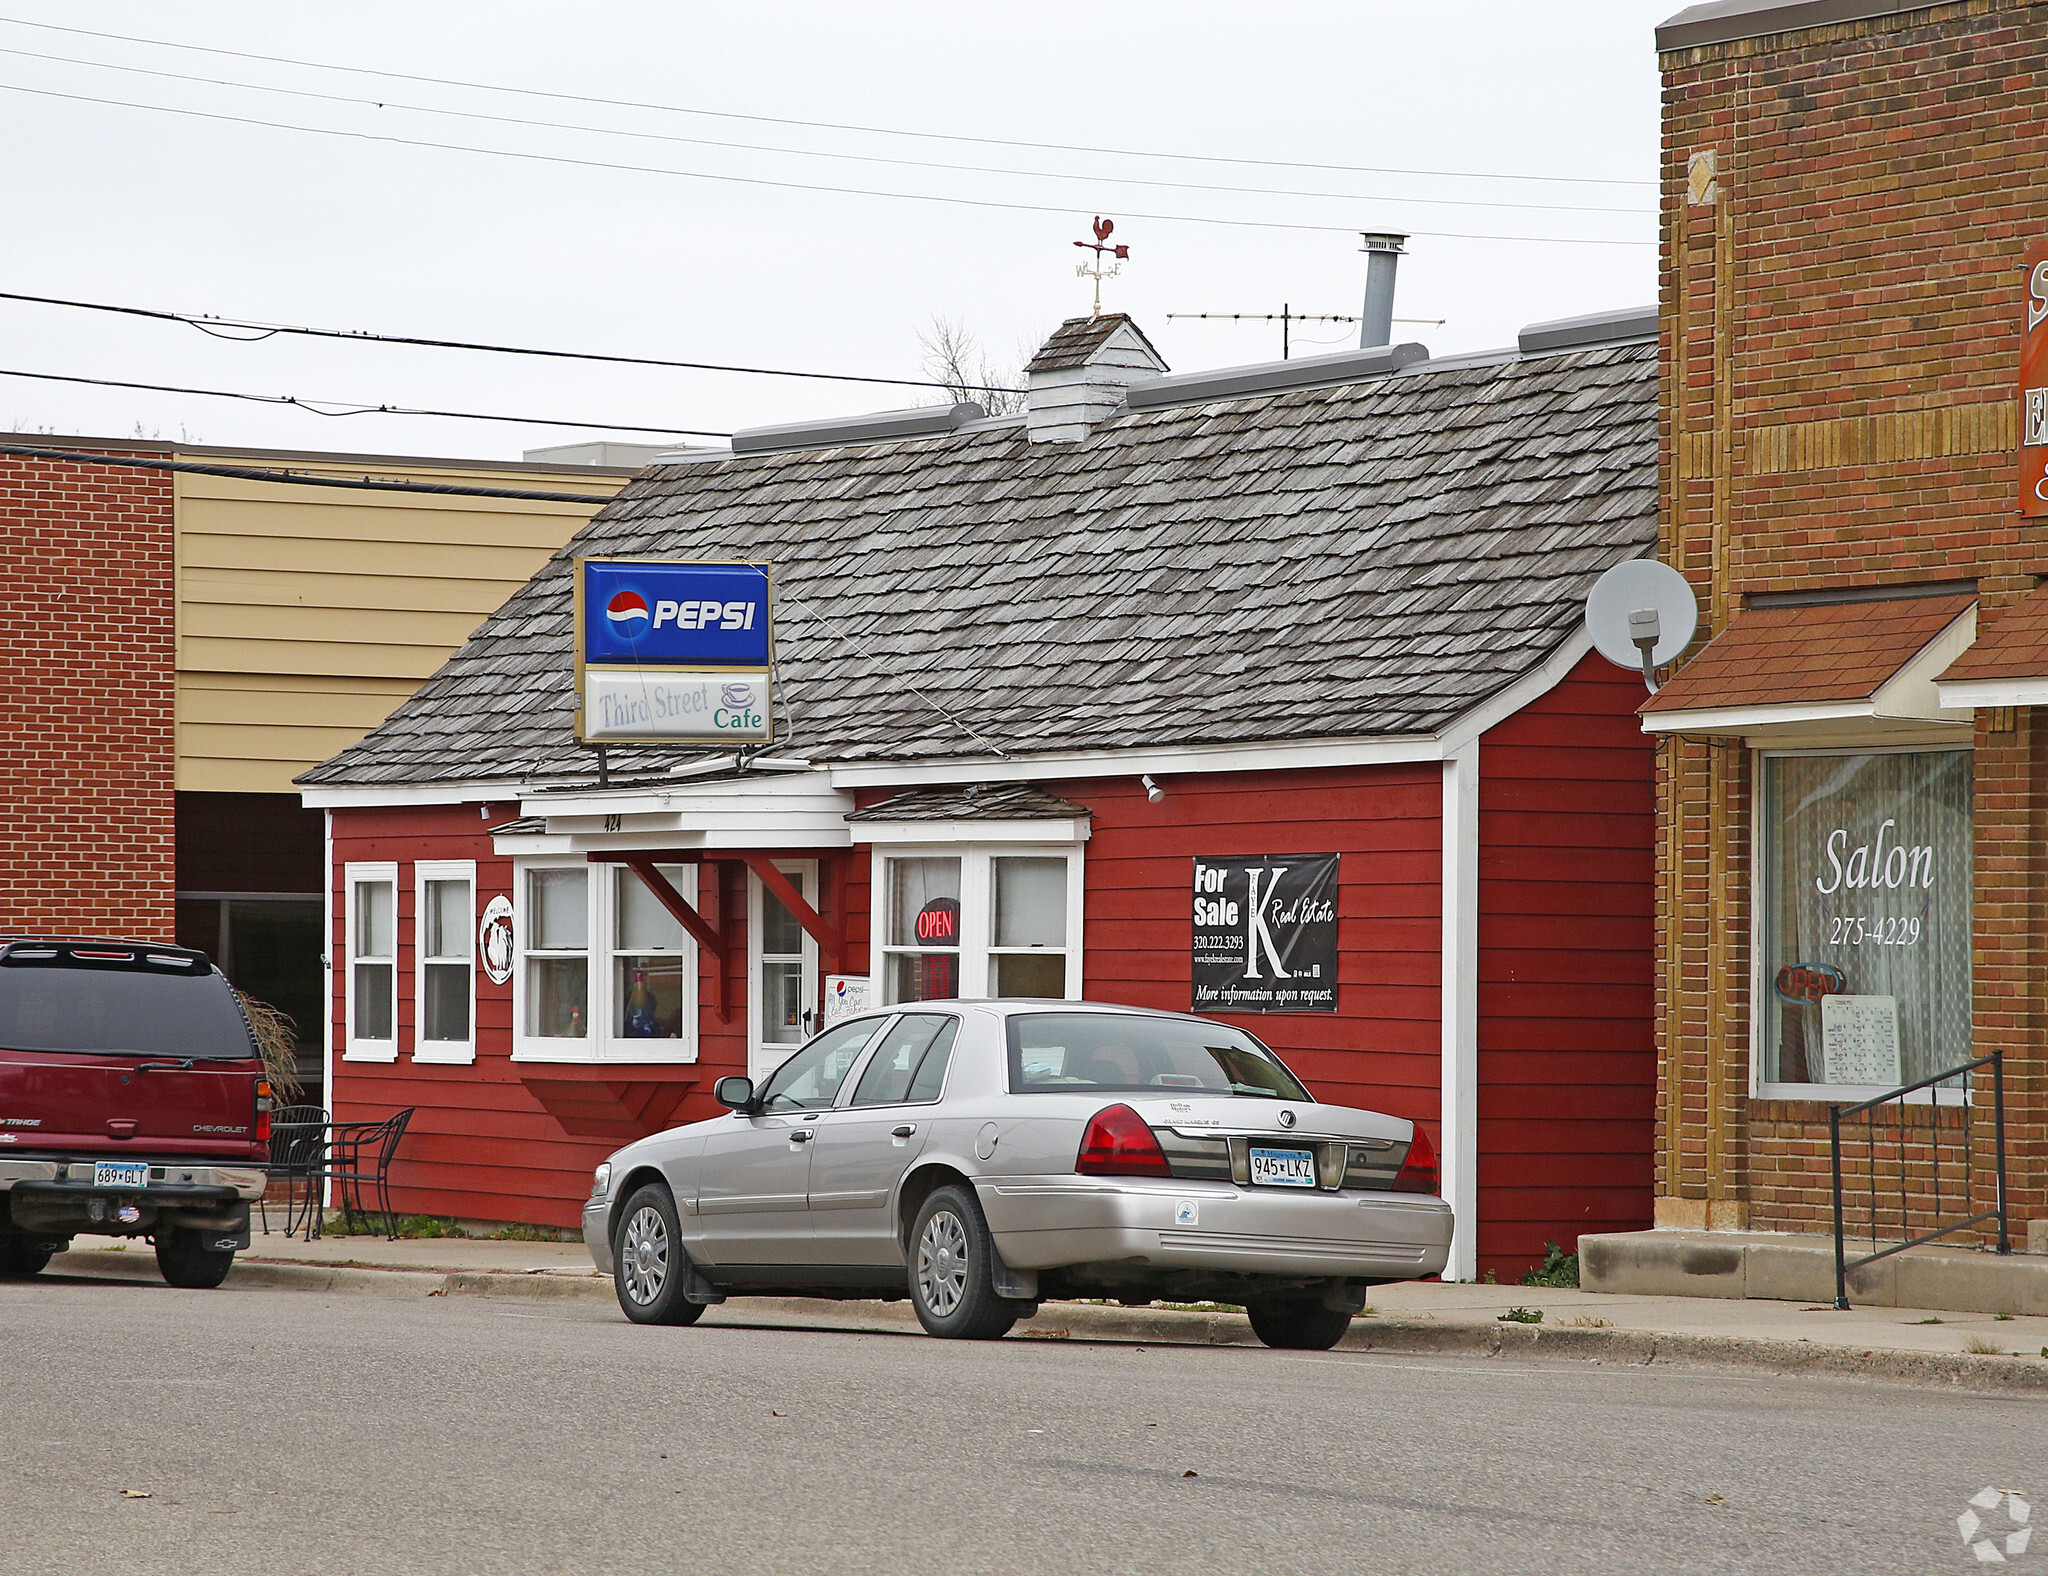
[1867, 1109]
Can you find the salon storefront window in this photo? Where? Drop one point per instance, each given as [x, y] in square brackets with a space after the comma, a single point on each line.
[1863, 922]
[970, 922]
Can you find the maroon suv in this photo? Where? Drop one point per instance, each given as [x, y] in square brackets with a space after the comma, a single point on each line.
[133, 1103]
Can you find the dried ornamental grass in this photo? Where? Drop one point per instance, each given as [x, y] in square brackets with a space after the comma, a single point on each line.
[278, 1039]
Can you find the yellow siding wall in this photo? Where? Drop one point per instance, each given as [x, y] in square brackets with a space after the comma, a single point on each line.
[306, 614]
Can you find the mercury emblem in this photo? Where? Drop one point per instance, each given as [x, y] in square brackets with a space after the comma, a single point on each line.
[1286, 1118]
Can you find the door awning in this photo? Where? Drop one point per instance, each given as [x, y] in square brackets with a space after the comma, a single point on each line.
[1848, 672]
[2008, 666]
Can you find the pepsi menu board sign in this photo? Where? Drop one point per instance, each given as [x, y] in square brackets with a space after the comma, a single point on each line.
[673, 652]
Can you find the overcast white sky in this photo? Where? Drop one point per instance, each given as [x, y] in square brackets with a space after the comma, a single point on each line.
[119, 204]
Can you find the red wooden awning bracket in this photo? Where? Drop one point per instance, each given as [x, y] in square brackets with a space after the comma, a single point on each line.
[643, 866]
[815, 924]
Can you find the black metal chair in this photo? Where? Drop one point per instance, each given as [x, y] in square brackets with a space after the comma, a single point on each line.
[359, 1155]
[297, 1140]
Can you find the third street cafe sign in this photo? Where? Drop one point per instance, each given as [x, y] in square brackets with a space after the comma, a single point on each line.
[1266, 934]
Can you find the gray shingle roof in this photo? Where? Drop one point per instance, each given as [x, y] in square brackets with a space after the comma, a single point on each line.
[1074, 342]
[1367, 559]
[975, 802]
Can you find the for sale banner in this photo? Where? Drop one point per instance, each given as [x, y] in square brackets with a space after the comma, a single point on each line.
[1266, 934]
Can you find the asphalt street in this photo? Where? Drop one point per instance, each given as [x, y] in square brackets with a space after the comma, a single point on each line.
[284, 1431]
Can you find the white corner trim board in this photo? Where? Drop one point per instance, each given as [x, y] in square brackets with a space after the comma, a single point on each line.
[1459, 1154]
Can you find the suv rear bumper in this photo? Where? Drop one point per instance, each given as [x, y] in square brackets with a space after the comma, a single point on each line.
[167, 1177]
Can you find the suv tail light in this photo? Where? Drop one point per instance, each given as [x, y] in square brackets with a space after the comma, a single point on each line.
[1119, 1144]
[1418, 1171]
[263, 1105]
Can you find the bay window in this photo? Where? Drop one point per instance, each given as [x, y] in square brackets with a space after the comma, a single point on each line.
[1863, 977]
[987, 921]
[603, 971]
[370, 926]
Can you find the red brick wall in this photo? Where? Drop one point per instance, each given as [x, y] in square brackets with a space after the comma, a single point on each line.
[1841, 334]
[87, 816]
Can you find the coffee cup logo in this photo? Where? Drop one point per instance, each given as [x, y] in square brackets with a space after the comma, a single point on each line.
[738, 695]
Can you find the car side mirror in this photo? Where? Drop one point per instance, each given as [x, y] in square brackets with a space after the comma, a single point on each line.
[737, 1093]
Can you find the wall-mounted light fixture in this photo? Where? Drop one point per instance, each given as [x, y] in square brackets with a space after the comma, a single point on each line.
[1152, 790]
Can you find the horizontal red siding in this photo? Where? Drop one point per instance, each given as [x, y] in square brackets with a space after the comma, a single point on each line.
[1567, 1062]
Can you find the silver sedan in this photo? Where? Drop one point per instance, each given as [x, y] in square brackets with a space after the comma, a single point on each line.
[977, 1156]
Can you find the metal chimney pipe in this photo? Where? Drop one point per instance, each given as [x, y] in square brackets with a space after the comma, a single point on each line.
[1383, 256]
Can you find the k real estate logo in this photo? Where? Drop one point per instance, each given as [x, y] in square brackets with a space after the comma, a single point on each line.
[1265, 935]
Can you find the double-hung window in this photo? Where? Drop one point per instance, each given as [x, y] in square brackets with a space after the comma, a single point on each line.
[603, 971]
[444, 932]
[370, 925]
[978, 921]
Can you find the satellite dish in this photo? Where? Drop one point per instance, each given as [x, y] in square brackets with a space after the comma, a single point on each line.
[1641, 614]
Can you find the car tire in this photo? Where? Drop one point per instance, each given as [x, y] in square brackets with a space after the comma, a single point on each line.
[19, 1256]
[952, 1262]
[1297, 1326]
[648, 1262]
[184, 1258]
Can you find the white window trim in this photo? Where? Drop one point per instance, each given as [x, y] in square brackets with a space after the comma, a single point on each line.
[453, 1053]
[803, 875]
[975, 913]
[598, 1047]
[1760, 988]
[353, 1049]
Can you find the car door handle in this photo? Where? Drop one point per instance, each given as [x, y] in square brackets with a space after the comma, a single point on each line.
[803, 1135]
[904, 1131]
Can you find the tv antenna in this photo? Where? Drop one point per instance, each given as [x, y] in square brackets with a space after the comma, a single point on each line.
[1100, 246]
[1641, 614]
[1286, 317]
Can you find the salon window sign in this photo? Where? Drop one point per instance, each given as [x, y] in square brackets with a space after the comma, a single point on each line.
[1265, 935]
[2033, 383]
[1868, 905]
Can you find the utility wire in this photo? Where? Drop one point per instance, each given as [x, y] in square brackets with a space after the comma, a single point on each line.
[827, 125]
[296, 479]
[357, 408]
[256, 331]
[808, 153]
[755, 180]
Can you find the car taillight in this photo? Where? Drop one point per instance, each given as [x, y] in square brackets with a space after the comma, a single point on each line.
[263, 1105]
[1119, 1144]
[1418, 1171]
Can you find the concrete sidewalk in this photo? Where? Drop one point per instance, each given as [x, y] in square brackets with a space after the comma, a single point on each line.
[1417, 1316]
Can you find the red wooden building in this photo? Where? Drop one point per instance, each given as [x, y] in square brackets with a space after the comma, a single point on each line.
[1066, 678]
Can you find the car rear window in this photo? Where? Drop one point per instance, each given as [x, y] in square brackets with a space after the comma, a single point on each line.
[66, 999]
[1065, 1052]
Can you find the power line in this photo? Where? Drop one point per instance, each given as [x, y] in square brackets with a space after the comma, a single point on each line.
[296, 479]
[755, 180]
[259, 331]
[357, 408]
[809, 153]
[827, 125]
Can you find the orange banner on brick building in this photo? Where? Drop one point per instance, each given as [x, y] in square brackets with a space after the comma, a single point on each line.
[2034, 385]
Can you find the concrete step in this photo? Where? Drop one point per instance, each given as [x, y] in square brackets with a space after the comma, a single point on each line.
[1798, 1268]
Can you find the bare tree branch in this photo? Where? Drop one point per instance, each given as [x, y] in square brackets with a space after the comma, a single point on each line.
[953, 357]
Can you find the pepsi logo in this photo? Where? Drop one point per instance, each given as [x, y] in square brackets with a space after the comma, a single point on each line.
[627, 607]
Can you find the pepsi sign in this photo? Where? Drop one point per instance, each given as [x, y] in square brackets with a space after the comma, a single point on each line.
[642, 611]
[671, 652]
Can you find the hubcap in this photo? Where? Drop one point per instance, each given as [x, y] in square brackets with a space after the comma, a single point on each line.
[643, 1255]
[942, 1263]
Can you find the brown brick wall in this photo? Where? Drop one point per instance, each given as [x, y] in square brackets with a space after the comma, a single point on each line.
[87, 815]
[1857, 277]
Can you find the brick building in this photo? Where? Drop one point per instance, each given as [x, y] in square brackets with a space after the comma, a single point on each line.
[1853, 787]
[182, 641]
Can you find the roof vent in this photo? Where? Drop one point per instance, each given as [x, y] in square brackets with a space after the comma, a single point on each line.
[924, 421]
[1596, 328]
[1266, 377]
[1080, 374]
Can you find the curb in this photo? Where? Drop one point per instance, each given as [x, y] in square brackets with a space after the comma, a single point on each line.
[1171, 1326]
